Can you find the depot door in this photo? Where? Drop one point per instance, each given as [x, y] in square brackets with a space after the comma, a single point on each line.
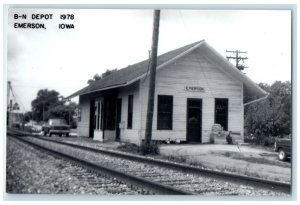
[194, 120]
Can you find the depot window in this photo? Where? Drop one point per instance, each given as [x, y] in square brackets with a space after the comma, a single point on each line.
[164, 112]
[130, 112]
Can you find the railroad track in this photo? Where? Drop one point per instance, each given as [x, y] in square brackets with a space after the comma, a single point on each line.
[96, 183]
[146, 186]
[191, 183]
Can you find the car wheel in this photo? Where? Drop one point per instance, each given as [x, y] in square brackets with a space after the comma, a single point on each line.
[281, 155]
[67, 134]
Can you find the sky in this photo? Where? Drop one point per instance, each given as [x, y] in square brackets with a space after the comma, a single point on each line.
[64, 59]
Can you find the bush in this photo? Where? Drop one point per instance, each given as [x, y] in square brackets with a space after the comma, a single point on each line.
[229, 138]
[269, 141]
[129, 147]
[152, 148]
[250, 139]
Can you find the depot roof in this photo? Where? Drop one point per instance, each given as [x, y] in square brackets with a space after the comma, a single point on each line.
[133, 73]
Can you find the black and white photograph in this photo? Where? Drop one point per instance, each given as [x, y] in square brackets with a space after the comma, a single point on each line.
[149, 102]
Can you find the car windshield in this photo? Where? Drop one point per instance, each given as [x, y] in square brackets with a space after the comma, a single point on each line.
[57, 122]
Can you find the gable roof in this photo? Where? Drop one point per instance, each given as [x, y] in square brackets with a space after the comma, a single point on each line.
[132, 73]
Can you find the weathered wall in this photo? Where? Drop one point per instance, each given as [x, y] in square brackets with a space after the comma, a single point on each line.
[130, 135]
[83, 124]
[98, 133]
[194, 70]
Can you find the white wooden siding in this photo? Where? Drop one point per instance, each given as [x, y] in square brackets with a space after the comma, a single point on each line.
[83, 124]
[98, 133]
[130, 135]
[194, 70]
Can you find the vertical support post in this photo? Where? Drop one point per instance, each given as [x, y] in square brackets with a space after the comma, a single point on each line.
[151, 91]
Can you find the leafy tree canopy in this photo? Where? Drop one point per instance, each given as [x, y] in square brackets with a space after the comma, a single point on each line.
[270, 117]
[48, 104]
[103, 75]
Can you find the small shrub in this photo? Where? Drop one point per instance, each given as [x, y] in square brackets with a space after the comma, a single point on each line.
[227, 154]
[152, 148]
[229, 138]
[129, 147]
[250, 139]
[269, 141]
[179, 159]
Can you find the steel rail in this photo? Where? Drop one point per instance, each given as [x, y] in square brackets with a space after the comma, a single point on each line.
[124, 177]
[253, 181]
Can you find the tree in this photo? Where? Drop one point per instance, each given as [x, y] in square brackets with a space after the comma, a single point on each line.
[49, 104]
[43, 102]
[95, 78]
[64, 111]
[270, 117]
[103, 75]
[28, 116]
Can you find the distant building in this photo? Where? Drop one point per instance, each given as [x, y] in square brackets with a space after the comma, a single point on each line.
[15, 119]
[196, 87]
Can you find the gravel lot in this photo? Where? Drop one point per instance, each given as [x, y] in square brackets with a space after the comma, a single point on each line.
[30, 171]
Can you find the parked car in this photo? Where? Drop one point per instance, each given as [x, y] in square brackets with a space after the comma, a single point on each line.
[283, 147]
[56, 126]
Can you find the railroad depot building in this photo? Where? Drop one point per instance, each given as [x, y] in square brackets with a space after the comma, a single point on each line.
[196, 88]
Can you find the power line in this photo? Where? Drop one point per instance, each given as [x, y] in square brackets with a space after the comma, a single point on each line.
[237, 57]
[16, 97]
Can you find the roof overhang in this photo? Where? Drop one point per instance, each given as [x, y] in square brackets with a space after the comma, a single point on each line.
[250, 87]
[85, 90]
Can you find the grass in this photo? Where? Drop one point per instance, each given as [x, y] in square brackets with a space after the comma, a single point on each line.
[256, 164]
[152, 149]
[253, 159]
[178, 159]
[128, 147]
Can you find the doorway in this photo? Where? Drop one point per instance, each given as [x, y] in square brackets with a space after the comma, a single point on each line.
[91, 124]
[194, 120]
[118, 120]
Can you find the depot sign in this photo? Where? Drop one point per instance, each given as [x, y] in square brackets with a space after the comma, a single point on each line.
[193, 88]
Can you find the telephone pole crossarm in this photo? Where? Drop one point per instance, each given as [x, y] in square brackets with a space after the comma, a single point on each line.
[237, 58]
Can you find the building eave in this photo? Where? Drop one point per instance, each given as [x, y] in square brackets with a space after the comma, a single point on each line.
[141, 76]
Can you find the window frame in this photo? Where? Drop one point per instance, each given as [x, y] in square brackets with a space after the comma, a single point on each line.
[130, 112]
[164, 115]
[226, 114]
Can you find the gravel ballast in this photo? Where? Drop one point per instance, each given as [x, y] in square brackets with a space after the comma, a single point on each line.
[190, 182]
[30, 171]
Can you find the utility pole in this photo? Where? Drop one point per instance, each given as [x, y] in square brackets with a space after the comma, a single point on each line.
[151, 91]
[237, 59]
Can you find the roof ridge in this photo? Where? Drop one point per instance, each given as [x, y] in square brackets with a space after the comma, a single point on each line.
[146, 60]
[140, 68]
